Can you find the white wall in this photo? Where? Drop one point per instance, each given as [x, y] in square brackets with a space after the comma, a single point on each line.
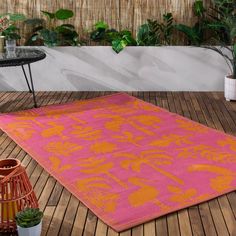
[136, 68]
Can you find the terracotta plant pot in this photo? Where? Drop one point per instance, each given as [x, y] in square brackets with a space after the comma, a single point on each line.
[230, 88]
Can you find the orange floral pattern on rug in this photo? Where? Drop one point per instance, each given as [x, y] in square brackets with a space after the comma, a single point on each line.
[126, 160]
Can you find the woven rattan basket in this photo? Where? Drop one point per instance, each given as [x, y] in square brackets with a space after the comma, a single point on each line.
[16, 193]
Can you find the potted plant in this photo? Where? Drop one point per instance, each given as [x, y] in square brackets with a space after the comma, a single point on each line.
[4, 23]
[8, 29]
[223, 24]
[29, 222]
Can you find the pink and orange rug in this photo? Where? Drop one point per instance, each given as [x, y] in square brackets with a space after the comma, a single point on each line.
[126, 160]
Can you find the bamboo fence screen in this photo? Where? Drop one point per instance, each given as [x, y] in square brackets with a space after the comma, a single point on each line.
[120, 14]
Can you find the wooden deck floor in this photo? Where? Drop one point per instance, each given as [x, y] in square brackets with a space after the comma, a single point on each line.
[65, 215]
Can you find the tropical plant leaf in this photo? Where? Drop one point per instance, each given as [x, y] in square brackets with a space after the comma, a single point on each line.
[49, 14]
[69, 26]
[234, 49]
[101, 25]
[98, 35]
[127, 36]
[60, 35]
[49, 37]
[216, 25]
[63, 29]
[148, 34]
[12, 28]
[154, 33]
[191, 34]
[64, 14]
[17, 17]
[118, 45]
[111, 34]
[38, 28]
[198, 8]
[34, 37]
[34, 21]
[167, 28]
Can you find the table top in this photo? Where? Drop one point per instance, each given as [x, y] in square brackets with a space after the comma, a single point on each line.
[21, 56]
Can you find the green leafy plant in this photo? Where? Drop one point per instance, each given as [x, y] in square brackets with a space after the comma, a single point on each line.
[223, 23]
[196, 34]
[29, 217]
[118, 39]
[8, 27]
[122, 39]
[50, 33]
[154, 33]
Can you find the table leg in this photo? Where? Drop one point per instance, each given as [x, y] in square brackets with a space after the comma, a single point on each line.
[26, 79]
[31, 85]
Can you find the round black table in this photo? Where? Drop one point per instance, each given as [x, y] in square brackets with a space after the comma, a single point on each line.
[21, 57]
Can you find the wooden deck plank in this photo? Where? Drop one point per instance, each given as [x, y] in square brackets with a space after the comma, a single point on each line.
[59, 213]
[43, 199]
[101, 229]
[126, 233]
[184, 223]
[150, 228]
[80, 219]
[198, 109]
[227, 213]
[68, 220]
[90, 224]
[214, 117]
[65, 215]
[218, 218]
[173, 225]
[138, 230]
[232, 199]
[207, 220]
[220, 116]
[47, 218]
[55, 196]
[196, 222]
[111, 232]
[161, 226]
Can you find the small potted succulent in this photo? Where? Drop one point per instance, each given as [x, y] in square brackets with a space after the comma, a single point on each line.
[29, 222]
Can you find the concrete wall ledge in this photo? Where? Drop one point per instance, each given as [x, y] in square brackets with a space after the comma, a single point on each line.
[98, 68]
